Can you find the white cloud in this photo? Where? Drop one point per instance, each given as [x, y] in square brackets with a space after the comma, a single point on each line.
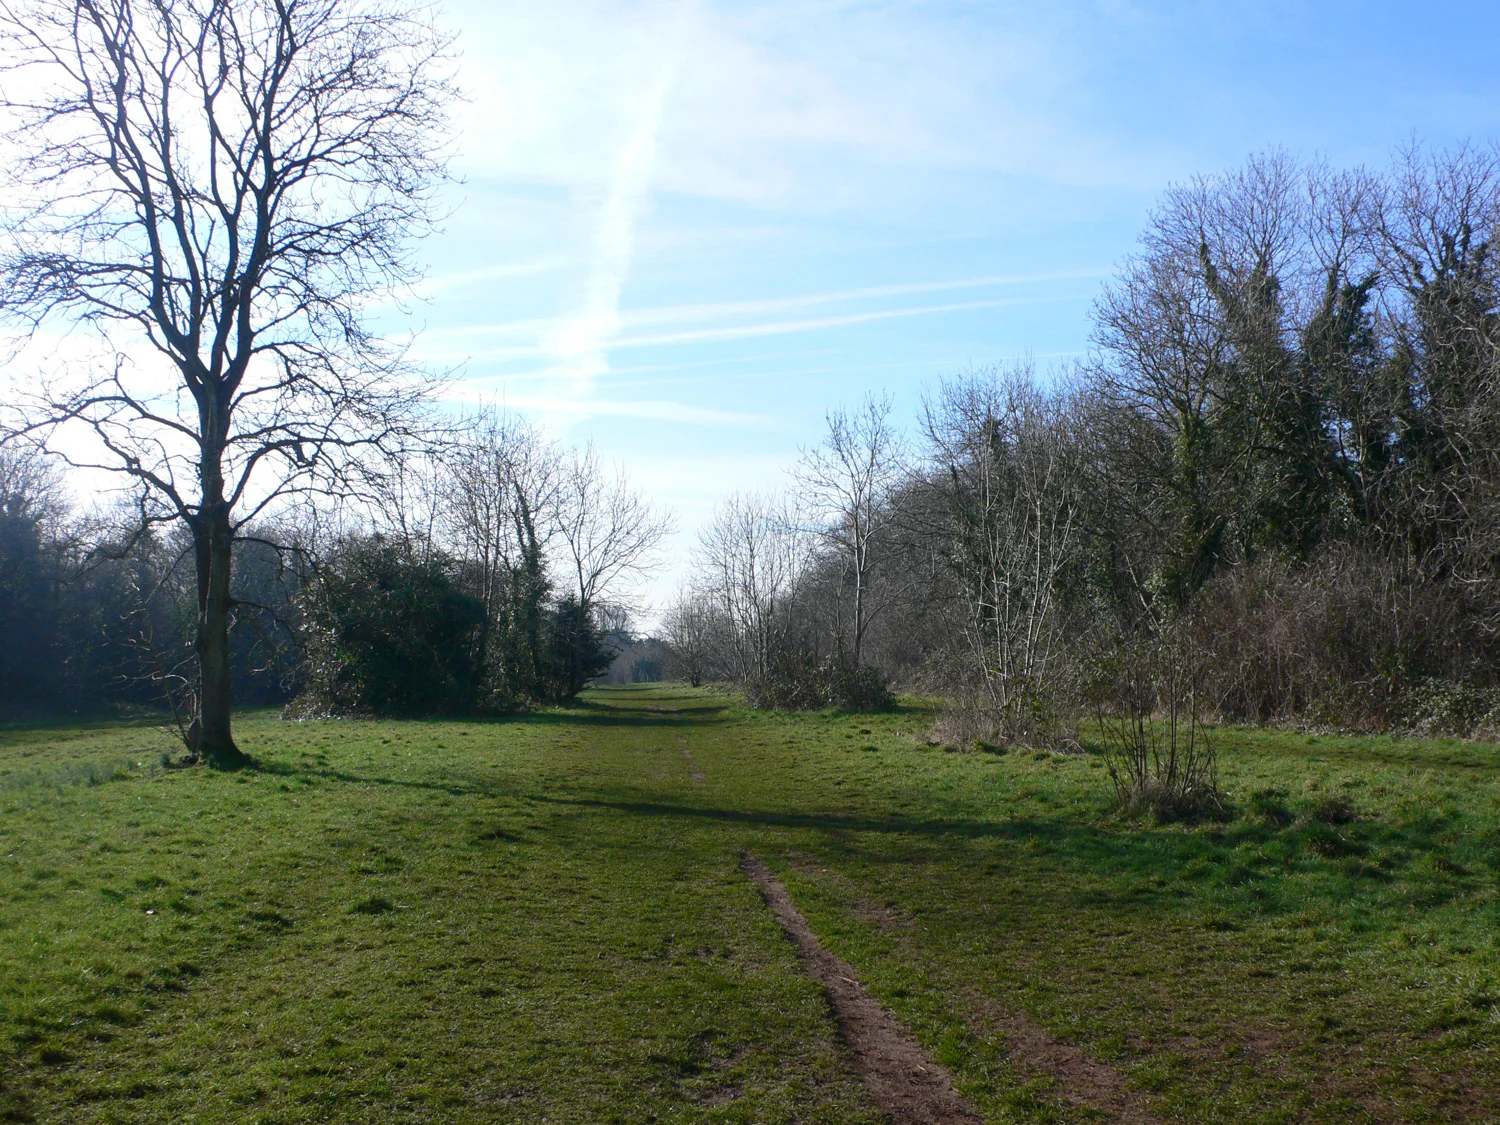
[806, 105]
[723, 310]
[580, 343]
[740, 331]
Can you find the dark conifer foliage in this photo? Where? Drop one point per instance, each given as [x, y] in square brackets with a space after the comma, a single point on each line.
[31, 571]
[390, 634]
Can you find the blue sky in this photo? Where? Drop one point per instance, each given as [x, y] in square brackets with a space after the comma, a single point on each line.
[686, 229]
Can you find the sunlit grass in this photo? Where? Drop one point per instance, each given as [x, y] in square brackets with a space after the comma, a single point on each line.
[546, 918]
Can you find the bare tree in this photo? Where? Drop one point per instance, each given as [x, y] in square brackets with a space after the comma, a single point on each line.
[849, 481]
[753, 556]
[1012, 494]
[222, 187]
[610, 534]
[693, 629]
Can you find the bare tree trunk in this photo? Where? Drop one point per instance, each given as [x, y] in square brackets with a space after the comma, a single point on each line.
[212, 738]
[850, 479]
[861, 571]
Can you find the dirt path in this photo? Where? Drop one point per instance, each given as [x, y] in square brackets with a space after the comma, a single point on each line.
[905, 1083]
[1081, 1080]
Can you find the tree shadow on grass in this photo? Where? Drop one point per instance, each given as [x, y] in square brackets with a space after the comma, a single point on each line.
[463, 787]
[828, 822]
[588, 714]
[1124, 861]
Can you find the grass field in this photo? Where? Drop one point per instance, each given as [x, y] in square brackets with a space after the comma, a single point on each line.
[546, 920]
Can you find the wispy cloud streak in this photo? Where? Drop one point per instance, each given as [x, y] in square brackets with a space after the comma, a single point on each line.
[723, 310]
[581, 342]
[565, 407]
[752, 331]
[443, 283]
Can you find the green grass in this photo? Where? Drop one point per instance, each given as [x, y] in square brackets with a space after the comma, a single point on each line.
[544, 919]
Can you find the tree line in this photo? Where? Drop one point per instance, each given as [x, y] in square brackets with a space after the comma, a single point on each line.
[1277, 474]
[1274, 476]
[1268, 491]
[482, 579]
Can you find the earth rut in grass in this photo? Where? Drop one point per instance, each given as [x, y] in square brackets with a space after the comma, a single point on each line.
[904, 1082]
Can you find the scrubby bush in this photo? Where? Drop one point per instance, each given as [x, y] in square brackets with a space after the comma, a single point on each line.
[988, 710]
[389, 634]
[1450, 706]
[1344, 640]
[798, 682]
[576, 651]
[1148, 708]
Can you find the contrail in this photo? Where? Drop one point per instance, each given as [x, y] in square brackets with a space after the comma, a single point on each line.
[581, 343]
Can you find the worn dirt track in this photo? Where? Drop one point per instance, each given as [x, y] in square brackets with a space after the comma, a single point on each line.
[903, 1081]
[1082, 1080]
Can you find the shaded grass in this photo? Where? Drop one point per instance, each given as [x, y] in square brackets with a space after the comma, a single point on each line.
[470, 921]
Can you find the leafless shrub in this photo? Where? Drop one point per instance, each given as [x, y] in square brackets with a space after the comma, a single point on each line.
[984, 709]
[1347, 640]
[1148, 705]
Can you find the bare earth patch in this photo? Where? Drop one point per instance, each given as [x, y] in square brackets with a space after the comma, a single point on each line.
[904, 1082]
[1081, 1080]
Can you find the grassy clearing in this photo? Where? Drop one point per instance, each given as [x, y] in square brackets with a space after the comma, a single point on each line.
[546, 919]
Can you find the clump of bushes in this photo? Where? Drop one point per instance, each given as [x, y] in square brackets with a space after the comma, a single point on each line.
[982, 710]
[1349, 640]
[391, 631]
[974, 722]
[801, 683]
[1446, 706]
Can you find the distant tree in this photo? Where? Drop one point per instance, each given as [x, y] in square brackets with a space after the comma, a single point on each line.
[608, 535]
[753, 556]
[223, 187]
[499, 513]
[850, 481]
[643, 661]
[692, 630]
[577, 649]
[1008, 474]
[32, 571]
